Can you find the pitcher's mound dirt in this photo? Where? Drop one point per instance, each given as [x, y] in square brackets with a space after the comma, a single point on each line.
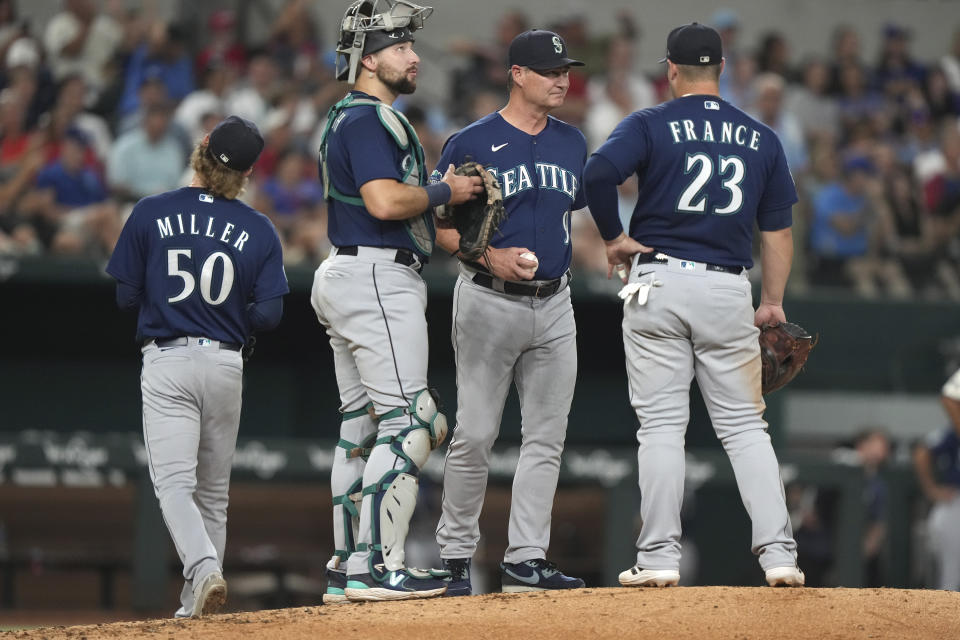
[701, 613]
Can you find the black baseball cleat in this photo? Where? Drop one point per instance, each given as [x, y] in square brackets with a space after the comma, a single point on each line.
[336, 583]
[534, 575]
[458, 584]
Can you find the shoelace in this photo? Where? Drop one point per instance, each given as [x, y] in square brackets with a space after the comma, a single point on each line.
[458, 570]
[545, 566]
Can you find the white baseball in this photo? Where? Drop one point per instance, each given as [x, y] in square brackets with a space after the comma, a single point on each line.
[527, 255]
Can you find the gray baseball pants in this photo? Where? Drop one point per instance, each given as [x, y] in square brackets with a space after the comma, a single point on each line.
[374, 312]
[501, 339]
[191, 415]
[700, 323]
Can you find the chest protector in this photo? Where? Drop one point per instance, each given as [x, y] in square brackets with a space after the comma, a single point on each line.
[420, 228]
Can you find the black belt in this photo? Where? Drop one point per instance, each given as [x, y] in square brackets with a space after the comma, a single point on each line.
[404, 256]
[163, 343]
[650, 258]
[542, 290]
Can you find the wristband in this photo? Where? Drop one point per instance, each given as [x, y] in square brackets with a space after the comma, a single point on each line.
[438, 193]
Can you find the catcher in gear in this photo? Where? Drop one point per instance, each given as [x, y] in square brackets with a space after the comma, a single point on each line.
[371, 299]
[475, 220]
[513, 320]
[784, 349]
[688, 309]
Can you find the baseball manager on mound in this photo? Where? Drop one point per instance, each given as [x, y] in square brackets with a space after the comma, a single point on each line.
[513, 320]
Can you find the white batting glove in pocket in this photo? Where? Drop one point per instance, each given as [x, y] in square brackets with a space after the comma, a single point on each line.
[640, 289]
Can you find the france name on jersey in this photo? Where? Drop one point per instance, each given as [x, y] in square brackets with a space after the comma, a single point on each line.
[540, 177]
[199, 261]
[706, 172]
[360, 150]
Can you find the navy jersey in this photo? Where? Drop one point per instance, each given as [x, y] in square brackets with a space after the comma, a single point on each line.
[199, 261]
[359, 150]
[944, 446]
[540, 177]
[706, 172]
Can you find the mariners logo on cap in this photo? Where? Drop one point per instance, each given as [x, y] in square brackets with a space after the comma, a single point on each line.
[557, 44]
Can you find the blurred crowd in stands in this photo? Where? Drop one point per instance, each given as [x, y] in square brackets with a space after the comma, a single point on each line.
[101, 106]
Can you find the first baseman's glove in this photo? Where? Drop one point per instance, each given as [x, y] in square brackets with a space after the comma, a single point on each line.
[476, 219]
[784, 349]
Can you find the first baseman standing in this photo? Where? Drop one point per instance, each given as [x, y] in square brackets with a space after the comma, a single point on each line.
[371, 299]
[707, 173]
[512, 318]
[205, 271]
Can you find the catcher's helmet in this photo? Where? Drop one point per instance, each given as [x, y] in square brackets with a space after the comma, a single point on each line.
[365, 17]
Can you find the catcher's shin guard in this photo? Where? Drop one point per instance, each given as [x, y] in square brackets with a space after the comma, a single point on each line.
[395, 494]
[346, 517]
[346, 506]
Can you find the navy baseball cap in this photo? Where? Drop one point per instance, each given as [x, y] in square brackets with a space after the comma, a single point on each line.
[236, 143]
[377, 40]
[694, 44]
[540, 50]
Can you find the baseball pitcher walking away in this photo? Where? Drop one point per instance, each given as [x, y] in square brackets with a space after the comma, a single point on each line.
[707, 173]
[369, 295]
[512, 318]
[205, 271]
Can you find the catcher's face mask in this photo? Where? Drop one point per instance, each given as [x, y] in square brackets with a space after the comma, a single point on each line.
[366, 16]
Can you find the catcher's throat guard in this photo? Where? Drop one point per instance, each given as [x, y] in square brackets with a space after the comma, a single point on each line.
[364, 16]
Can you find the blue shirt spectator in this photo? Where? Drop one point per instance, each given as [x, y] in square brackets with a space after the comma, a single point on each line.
[74, 185]
[163, 57]
[841, 214]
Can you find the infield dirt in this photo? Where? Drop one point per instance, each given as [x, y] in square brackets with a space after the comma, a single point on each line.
[701, 613]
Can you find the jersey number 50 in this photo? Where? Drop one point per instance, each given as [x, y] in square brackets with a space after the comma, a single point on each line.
[206, 276]
[692, 202]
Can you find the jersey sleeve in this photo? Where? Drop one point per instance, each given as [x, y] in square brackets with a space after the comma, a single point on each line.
[779, 195]
[370, 150]
[128, 262]
[272, 279]
[628, 146]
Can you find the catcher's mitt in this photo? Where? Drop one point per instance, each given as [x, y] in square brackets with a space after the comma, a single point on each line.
[476, 219]
[784, 349]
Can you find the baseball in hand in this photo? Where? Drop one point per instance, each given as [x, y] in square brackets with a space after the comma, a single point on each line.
[528, 255]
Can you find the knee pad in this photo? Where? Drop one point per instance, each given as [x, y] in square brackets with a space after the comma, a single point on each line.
[426, 409]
